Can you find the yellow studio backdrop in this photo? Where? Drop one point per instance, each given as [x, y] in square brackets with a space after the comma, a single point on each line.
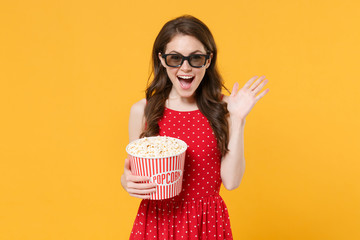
[70, 71]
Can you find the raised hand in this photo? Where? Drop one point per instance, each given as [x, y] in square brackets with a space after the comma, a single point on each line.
[241, 102]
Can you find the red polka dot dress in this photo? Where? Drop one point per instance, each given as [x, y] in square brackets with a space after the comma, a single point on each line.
[198, 212]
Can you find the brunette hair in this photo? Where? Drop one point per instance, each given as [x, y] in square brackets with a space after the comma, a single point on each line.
[208, 94]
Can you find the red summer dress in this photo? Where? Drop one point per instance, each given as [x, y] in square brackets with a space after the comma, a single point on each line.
[198, 212]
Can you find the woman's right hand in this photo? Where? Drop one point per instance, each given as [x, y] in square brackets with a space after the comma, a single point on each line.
[134, 185]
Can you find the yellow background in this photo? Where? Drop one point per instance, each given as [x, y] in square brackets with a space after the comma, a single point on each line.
[70, 71]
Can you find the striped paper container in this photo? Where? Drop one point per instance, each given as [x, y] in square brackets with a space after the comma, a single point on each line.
[166, 172]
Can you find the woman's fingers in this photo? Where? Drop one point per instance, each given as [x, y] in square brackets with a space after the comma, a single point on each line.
[141, 185]
[251, 85]
[140, 196]
[235, 89]
[248, 84]
[135, 178]
[255, 85]
[138, 186]
[261, 95]
[259, 87]
[141, 191]
[135, 184]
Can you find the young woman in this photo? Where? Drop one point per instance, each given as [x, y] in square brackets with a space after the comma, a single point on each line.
[184, 101]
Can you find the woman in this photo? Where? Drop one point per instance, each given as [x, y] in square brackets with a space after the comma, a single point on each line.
[184, 101]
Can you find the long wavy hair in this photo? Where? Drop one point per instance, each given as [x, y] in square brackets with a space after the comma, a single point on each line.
[208, 95]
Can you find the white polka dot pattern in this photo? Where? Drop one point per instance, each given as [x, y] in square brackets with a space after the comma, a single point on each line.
[198, 212]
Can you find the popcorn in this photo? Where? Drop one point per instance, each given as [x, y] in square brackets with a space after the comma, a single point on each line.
[162, 160]
[154, 147]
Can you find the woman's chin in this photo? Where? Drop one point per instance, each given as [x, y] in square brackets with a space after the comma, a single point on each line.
[186, 93]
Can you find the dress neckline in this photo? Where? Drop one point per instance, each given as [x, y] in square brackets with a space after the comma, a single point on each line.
[182, 111]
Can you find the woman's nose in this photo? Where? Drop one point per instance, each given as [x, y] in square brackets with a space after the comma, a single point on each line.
[185, 66]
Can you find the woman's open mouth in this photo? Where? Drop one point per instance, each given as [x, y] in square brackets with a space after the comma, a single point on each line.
[185, 81]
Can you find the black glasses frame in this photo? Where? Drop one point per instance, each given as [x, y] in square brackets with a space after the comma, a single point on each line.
[207, 56]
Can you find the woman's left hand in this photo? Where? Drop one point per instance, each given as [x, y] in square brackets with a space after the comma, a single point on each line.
[241, 102]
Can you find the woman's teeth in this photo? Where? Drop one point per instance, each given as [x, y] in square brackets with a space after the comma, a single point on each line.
[185, 81]
[185, 77]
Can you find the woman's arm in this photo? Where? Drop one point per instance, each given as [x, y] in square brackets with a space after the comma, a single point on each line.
[132, 183]
[136, 120]
[233, 163]
[239, 104]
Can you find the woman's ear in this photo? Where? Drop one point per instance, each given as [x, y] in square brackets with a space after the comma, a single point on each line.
[209, 60]
[161, 59]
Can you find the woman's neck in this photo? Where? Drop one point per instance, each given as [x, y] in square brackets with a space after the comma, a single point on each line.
[177, 102]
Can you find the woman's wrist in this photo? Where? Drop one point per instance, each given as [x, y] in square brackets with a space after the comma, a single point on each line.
[237, 121]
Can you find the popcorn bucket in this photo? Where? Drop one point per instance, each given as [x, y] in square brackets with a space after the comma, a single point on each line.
[166, 172]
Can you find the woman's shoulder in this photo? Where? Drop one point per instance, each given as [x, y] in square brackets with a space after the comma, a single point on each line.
[138, 108]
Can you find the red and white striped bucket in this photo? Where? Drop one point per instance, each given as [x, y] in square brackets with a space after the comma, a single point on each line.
[166, 172]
